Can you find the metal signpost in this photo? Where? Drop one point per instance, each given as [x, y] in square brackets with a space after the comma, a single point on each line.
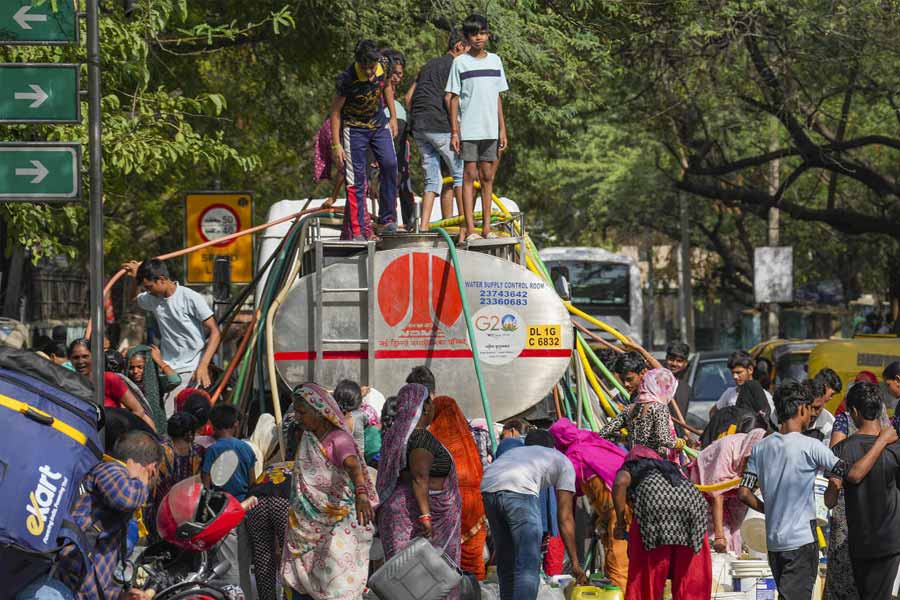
[32, 93]
[49, 93]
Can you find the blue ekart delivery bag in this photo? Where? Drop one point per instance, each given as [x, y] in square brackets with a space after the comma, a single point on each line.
[49, 440]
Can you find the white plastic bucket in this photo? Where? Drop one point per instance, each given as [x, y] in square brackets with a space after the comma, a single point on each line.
[753, 577]
[753, 531]
[721, 572]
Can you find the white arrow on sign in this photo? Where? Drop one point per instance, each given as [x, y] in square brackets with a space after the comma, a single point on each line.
[22, 17]
[39, 172]
[37, 94]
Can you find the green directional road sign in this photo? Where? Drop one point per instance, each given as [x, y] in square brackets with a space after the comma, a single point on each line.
[38, 22]
[40, 171]
[39, 93]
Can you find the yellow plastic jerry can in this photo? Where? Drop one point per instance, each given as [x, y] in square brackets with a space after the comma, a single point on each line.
[590, 592]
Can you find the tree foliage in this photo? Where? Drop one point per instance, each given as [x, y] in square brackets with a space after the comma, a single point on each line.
[616, 111]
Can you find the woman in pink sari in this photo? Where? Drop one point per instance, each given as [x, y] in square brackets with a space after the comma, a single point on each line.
[329, 533]
[721, 461]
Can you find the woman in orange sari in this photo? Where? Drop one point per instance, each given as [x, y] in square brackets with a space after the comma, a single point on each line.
[452, 430]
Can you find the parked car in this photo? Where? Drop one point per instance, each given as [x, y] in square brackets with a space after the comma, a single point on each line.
[708, 376]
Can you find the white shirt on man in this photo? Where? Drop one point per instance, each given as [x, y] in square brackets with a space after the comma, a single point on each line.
[180, 318]
[528, 470]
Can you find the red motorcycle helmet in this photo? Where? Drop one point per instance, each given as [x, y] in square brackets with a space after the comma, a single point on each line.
[195, 518]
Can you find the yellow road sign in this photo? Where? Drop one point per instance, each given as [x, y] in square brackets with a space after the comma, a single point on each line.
[213, 215]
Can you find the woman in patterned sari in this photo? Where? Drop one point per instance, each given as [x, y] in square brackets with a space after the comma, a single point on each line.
[452, 430]
[329, 533]
[417, 481]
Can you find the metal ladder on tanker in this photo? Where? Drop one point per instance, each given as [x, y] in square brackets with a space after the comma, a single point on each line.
[321, 292]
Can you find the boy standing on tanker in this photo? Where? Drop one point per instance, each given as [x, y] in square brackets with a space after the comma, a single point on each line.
[358, 124]
[430, 120]
[476, 118]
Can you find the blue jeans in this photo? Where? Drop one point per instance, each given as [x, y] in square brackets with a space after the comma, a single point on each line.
[435, 147]
[515, 521]
[45, 588]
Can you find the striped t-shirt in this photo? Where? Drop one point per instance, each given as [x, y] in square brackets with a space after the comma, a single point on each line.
[478, 82]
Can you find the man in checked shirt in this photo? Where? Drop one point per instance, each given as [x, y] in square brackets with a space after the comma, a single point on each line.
[113, 492]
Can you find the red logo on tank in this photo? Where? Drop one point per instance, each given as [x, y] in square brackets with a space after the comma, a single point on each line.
[421, 290]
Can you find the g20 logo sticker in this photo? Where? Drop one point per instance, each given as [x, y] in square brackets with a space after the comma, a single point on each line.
[499, 334]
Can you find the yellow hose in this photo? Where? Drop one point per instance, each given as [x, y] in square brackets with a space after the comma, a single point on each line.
[717, 487]
[607, 328]
[592, 379]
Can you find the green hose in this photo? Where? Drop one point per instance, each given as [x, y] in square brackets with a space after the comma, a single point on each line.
[599, 364]
[471, 330]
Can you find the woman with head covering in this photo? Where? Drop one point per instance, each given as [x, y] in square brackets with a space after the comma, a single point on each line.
[667, 536]
[115, 391]
[596, 462]
[416, 479]
[147, 370]
[329, 534]
[452, 430]
[724, 460]
[648, 420]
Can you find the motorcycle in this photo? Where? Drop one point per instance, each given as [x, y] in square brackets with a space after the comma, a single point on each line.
[173, 574]
[192, 522]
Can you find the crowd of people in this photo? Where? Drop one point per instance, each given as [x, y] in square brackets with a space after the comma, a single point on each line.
[453, 112]
[364, 472]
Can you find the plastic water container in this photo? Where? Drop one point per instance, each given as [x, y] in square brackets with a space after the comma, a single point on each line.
[753, 577]
[821, 510]
[753, 531]
[561, 581]
[592, 592]
[721, 572]
[418, 572]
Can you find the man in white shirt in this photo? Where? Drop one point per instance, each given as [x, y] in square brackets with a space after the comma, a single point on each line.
[182, 315]
[510, 489]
